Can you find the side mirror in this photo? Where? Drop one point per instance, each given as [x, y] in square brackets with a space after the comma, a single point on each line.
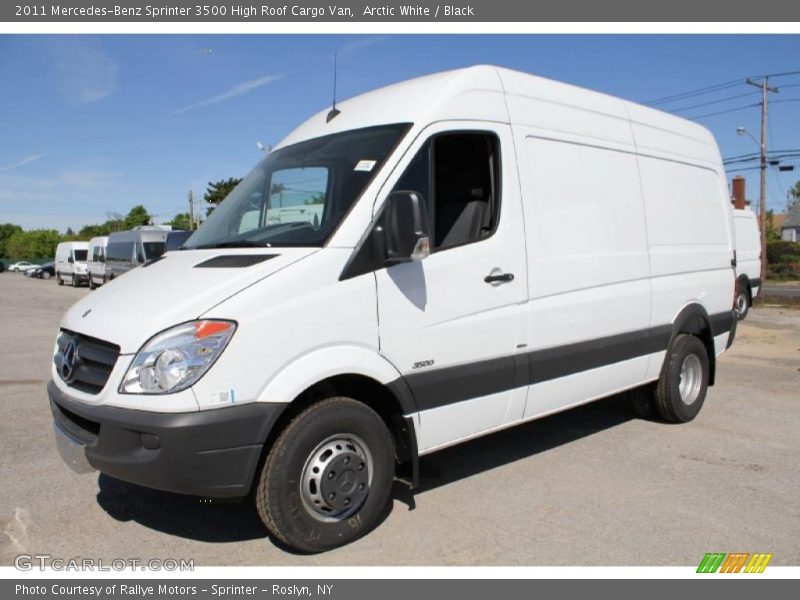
[69, 260]
[406, 228]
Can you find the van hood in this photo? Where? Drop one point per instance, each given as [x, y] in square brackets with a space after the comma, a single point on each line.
[175, 288]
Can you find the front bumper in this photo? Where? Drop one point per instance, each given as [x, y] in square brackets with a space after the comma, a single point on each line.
[212, 453]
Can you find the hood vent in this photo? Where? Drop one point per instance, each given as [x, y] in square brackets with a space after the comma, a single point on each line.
[234, 261]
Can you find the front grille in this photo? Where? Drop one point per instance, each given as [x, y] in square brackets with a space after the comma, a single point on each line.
[91, 363]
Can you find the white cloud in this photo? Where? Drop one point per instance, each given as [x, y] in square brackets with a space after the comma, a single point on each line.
[237, 90]
[23, 161]
[84, 72]
[354, 46]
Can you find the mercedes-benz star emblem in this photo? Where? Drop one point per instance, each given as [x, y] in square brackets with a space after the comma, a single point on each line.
[68, 360]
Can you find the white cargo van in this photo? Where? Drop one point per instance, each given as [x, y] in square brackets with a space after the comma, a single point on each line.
[748, 259]
[129, 249]
[485, 248]
[97, 261]
[71, 263]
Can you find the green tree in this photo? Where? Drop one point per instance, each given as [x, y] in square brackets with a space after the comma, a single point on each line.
[37, 243]
[180, 221]
[6, 231]
[87, 232]
[138, 215]
[793, 196]
[773, 234]
[218, 191]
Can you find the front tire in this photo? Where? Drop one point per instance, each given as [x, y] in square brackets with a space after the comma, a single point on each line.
[74, 281]
[682, 388]
[92, 284]
[327, 478]
[58, 278]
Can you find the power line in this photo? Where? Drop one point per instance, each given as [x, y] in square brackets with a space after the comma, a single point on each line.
[713, 102]
[698, 92]
[716, 88]
[722, 112]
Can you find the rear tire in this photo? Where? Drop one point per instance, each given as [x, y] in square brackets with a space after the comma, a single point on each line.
[742, 303]
[326, 480]
[681, 391]
[46, 275]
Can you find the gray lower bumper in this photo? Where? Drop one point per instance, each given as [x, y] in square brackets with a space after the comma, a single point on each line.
[72, 452]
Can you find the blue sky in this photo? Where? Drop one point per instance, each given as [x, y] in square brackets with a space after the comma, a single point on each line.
[92, 125]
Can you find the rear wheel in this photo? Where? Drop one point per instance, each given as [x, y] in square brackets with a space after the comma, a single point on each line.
[742, 303]
[682, 388]
[326, 480]
[46, 275]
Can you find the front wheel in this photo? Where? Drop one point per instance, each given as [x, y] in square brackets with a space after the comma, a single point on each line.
[58, 278]
[92, 284]
[682, 388]
[74, 281]
[326, 480]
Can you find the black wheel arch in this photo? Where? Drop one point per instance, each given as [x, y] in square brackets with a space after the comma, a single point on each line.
[694, 320]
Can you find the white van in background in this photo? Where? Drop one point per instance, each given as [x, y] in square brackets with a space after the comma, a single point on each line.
[127, 250]
[71, 263]
[478, 248]
[748, 259]
[97, 261]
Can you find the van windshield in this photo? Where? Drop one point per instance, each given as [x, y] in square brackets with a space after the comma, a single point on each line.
[80, 255]
[299, 194]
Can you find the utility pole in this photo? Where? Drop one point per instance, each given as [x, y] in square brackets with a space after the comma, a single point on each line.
[191, 211]
[762, 200]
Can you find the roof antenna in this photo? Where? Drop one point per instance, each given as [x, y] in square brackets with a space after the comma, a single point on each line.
[334, 112]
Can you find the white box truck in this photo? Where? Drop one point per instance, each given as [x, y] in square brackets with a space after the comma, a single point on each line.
[71, 263]
[487, 247]
[97, 261]
[748, 259]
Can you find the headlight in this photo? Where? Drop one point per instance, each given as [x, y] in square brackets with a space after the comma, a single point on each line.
[176, 358]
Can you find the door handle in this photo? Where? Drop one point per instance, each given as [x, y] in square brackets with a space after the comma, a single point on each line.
[499, 278]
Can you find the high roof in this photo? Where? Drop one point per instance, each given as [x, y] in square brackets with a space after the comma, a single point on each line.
[490, 93]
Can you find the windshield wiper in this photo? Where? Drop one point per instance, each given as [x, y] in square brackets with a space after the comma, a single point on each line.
[231, 244]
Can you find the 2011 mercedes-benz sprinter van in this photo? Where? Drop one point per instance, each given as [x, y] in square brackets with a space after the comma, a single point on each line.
[441, 259]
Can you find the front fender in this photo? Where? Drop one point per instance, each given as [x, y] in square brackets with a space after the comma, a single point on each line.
[322, 363]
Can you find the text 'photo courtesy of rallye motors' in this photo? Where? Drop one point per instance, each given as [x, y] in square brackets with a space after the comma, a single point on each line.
[416, 291]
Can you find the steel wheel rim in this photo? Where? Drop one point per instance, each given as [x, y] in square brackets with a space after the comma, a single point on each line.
[741, 303]
[340, 465]
[691, 379]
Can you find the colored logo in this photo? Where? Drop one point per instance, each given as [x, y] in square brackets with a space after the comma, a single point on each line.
[736, 562]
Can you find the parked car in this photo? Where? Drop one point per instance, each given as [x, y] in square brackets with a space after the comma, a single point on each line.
[45, 271]
[2, 266]
[432, 262]
[21, 266]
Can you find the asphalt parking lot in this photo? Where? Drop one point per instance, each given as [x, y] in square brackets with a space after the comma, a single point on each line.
[592, 486]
